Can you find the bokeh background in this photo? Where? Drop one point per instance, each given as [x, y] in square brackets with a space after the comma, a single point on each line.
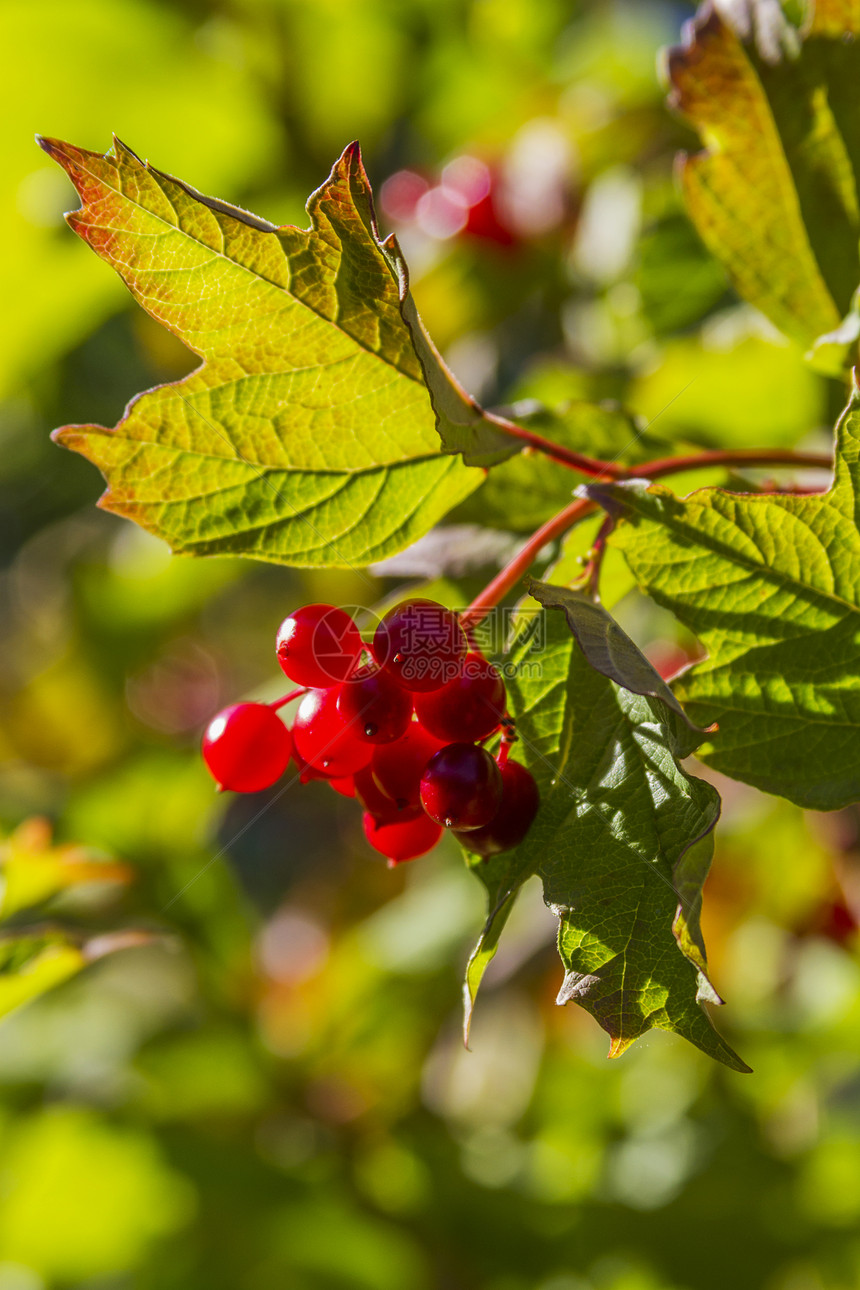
[273, 1092]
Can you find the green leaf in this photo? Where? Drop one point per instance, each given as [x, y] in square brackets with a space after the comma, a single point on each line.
[30, 965]
[611, 652]
[463, 425]
[34, 961]
[307, 436]
[618, 816]
[770, 585]
[774, 194]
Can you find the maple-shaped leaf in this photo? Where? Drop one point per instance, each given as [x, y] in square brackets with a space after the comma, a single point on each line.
[618, 842]
[771, 586]
[774, 195]
[307, 436]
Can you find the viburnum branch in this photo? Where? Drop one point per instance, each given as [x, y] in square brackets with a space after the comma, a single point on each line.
[288, 698]
[597, 469]
[788, 457]
[507, 578]
[585, 465]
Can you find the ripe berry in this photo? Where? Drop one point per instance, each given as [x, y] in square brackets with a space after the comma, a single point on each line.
[318, 645]
[397, 768]
[376, 707]
[343, 784]
[512, 821]
[382, 807]
[247, 747]
[402, 839]
[420, 644]
[467, 708]
[324, 739]
[461, 787]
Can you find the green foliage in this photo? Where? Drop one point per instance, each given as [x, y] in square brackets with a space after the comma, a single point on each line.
[203, 1112]
[775, 194]
[769, 584]
[617, 817]
[308, 437]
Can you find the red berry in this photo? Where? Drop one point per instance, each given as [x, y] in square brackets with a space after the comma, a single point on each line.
[467, 708]
[318, 645]
[461, 787]
[306, 771]
[397, 768]
[421, 644]
[512, 821]
[378, 709]
[247, 747]
[379, 804]
[344, 784]
[402, 839]
[324, 739]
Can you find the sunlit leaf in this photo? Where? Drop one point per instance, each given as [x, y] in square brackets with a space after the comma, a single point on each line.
[774, 194]
[771, 585]
[307, 436]
[618, 816]
[34, 961]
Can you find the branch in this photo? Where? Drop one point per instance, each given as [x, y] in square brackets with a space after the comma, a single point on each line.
[591, 466]
[508, 577]
[787, 457]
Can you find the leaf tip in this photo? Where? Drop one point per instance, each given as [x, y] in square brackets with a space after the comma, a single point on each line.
[56, 149]
[618, 1046]
[66, 437]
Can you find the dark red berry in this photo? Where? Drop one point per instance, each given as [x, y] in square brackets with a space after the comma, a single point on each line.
[402, 839]
[512, 821]
[247, 747]
[379, 804]
[421, 644]
[318, 645]
[378, 709]
[397, 768]
[306, 771]
[467, 708]
[324, 739]
[461, 787]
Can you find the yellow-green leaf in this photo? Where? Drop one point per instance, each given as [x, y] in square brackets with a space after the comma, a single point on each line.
[774, 193]
[307, 436]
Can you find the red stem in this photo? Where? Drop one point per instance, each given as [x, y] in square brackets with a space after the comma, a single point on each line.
[591, 466]
[508, 577]
[729, 457]
[578, 509]
[288, 698]
[597, 469]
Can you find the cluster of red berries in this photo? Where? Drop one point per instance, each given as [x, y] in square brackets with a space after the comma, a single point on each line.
[402, 732]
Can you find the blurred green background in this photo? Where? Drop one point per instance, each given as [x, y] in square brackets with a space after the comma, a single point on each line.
[273, 1093]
